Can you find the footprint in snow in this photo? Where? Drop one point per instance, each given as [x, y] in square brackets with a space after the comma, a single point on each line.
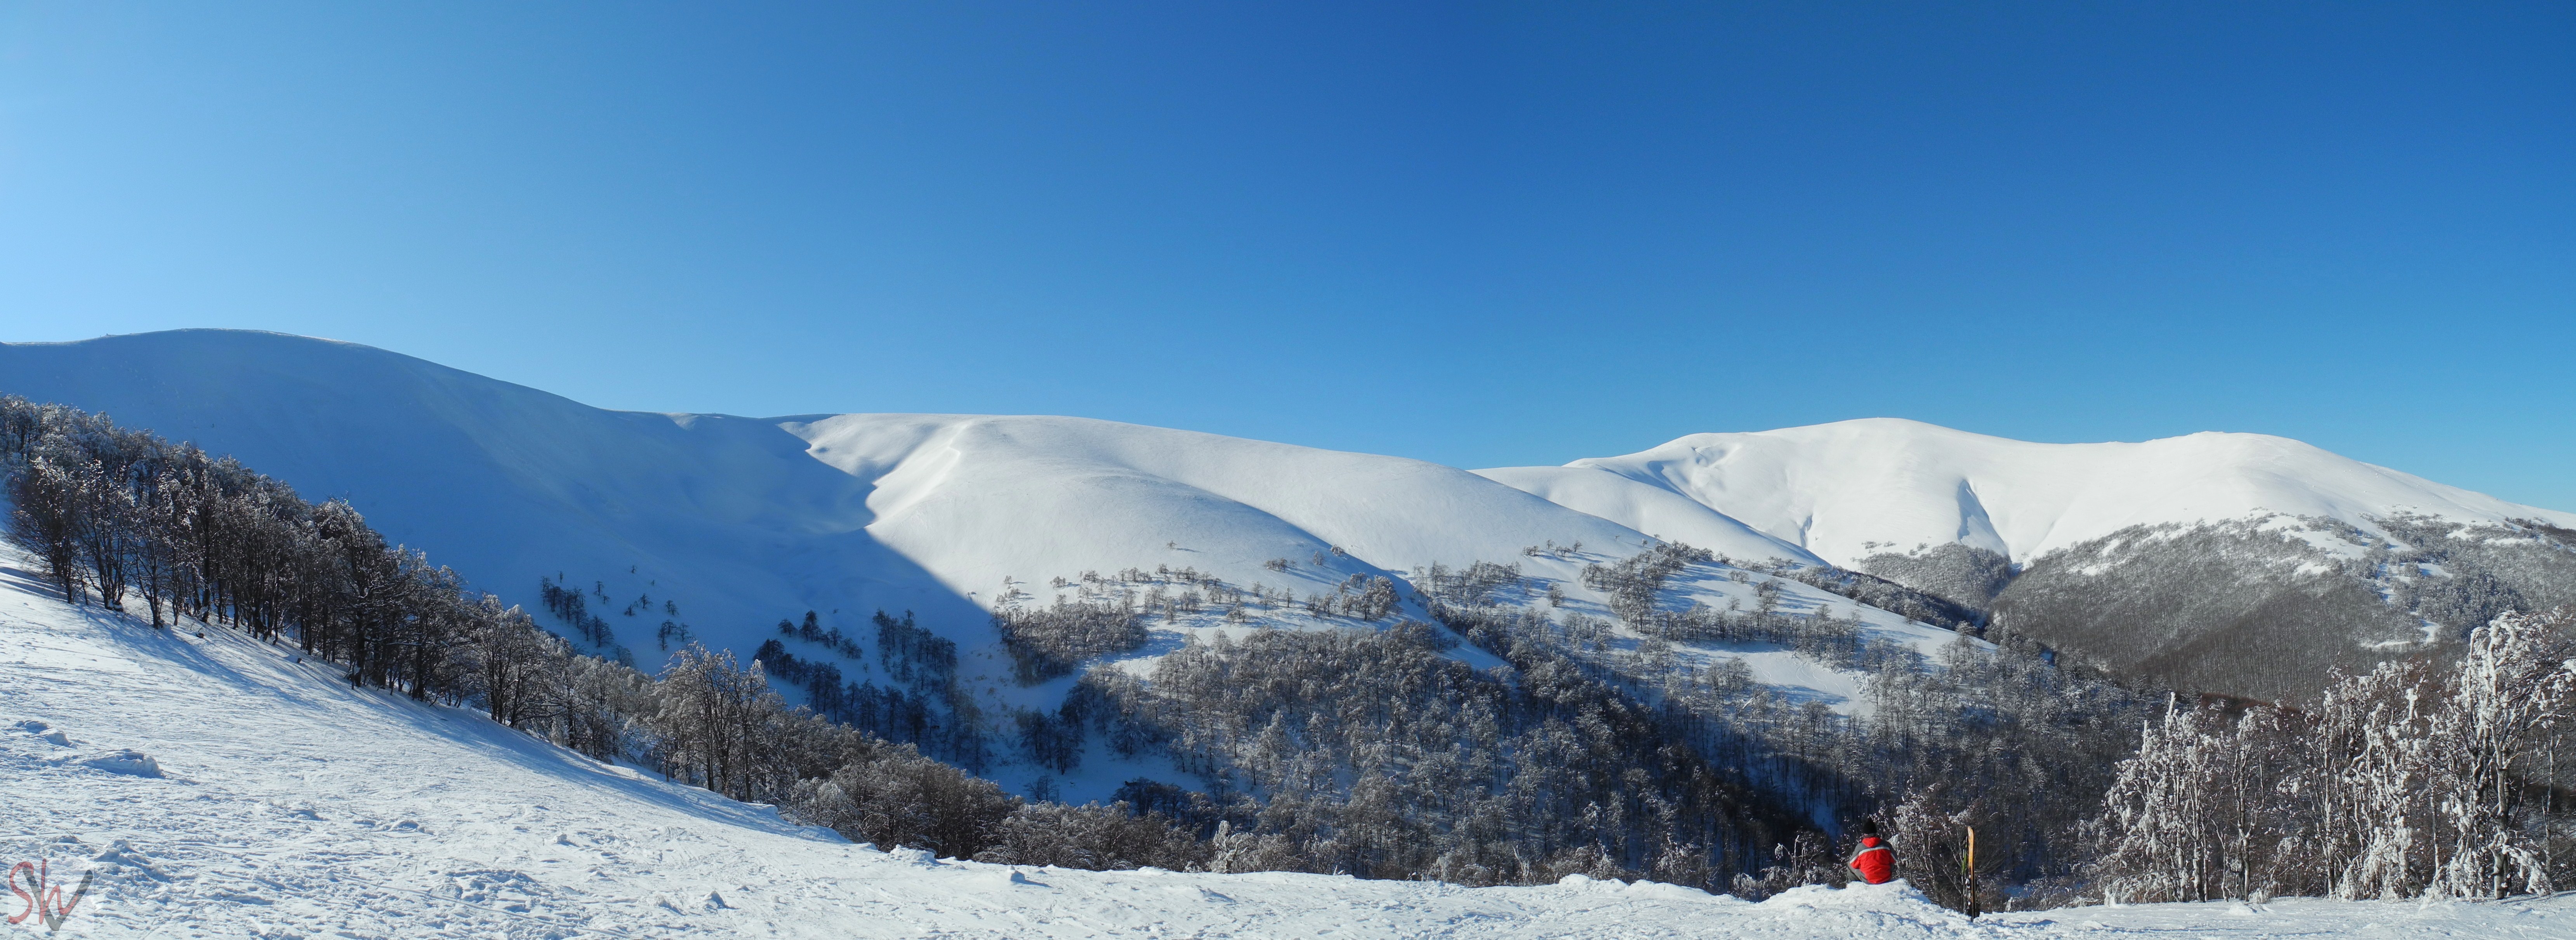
[297, 809]
[45, 733]
[119, 861]
[127, 761]
[498, 887]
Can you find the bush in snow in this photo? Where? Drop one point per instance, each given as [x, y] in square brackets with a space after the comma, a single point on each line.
[1049, 642]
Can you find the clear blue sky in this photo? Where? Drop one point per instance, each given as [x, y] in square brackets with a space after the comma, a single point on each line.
[1481, 234]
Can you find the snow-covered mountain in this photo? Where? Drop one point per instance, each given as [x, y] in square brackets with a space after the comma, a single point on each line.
[2237, 562]
[1850, 490]
[741, 521]
[724, 525]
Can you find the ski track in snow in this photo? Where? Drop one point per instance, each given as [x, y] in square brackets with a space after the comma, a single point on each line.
[291, 805]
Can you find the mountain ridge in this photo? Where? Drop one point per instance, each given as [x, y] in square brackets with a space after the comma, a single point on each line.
[710, 526]
[1838, 487]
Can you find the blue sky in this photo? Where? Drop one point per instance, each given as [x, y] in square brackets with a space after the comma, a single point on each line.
[1483, 234]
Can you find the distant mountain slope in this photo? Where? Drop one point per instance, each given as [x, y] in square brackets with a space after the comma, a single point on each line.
[2241, 562]
[1852, 489]
[1650, 508]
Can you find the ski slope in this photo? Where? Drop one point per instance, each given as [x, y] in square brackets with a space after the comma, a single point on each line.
[1851, 489]
[279, 802]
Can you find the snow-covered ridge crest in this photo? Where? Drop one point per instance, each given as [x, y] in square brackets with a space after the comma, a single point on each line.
[1851, 489]
[742, 520]
[720, 526]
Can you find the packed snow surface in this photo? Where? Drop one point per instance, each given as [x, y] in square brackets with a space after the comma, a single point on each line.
[1852, 489]
[288, 804]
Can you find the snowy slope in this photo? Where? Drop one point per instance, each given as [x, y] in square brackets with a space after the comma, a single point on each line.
[1658, 511]
[977, 498]
[286, 804]
[502, 482]
[743, 521]
[1851, 489]
[739, 522]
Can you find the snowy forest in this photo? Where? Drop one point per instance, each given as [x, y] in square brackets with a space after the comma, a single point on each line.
[1365, 748]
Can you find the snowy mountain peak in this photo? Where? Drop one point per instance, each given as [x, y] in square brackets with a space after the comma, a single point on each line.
[1850, 489]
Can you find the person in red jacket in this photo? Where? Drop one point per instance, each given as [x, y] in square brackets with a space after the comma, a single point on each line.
[1874, 862]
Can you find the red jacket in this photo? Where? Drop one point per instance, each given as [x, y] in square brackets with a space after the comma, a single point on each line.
[1874, 861]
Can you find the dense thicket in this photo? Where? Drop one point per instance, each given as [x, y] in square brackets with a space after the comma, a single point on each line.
[2003, 739]
[118, 517]
[1887, 595]
[1049, 642]
[1957, 572]
[1375, 753]
[2412, 779]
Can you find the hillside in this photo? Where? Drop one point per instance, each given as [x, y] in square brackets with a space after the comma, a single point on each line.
[1851, 490]
[2235, 562]
[279, 801]
[2242, 563]
[722, 527]
[741, 521]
